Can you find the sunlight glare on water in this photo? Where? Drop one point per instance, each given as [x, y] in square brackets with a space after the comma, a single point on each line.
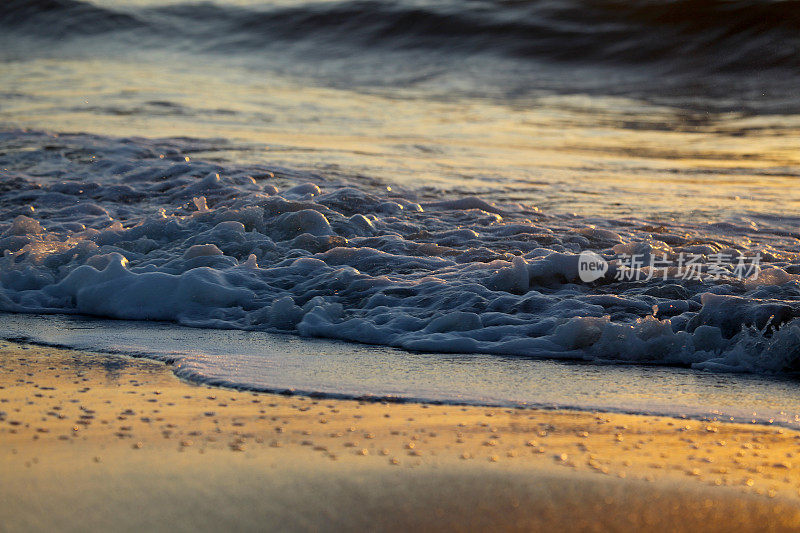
[607, 156]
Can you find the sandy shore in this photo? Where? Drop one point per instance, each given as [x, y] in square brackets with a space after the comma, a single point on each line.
[90, 441]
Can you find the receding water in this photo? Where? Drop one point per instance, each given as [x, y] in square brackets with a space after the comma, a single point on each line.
[270, 362]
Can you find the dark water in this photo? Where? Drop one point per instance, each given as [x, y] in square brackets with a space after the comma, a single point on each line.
[728, 54]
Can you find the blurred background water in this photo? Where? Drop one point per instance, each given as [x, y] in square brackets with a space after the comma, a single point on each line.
[683, 110]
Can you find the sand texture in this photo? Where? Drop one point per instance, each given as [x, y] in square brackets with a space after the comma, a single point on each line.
[92, 441]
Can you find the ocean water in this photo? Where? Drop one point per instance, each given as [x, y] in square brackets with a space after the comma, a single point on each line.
[433, 179]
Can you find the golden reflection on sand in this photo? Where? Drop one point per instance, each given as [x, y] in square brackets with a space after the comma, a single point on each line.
[93, 440]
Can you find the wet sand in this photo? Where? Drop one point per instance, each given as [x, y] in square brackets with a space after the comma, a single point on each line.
[92, 441]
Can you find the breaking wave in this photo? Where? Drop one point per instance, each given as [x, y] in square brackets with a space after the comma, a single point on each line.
[683, 35]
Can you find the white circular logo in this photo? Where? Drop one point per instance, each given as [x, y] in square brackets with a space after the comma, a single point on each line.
[591, 266]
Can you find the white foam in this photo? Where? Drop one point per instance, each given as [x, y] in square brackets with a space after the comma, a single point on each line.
[207, 245]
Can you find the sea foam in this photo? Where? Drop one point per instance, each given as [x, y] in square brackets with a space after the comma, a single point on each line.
[136, 229]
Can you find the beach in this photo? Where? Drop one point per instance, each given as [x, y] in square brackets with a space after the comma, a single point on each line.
[94, 441]
[391, 265]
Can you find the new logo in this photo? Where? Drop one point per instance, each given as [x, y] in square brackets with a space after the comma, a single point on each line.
[591, 266]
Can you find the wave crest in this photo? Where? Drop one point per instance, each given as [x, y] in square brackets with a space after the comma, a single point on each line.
[715, 35]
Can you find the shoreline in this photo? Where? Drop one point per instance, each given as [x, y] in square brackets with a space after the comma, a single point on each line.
[565, 384]
[107, 440]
